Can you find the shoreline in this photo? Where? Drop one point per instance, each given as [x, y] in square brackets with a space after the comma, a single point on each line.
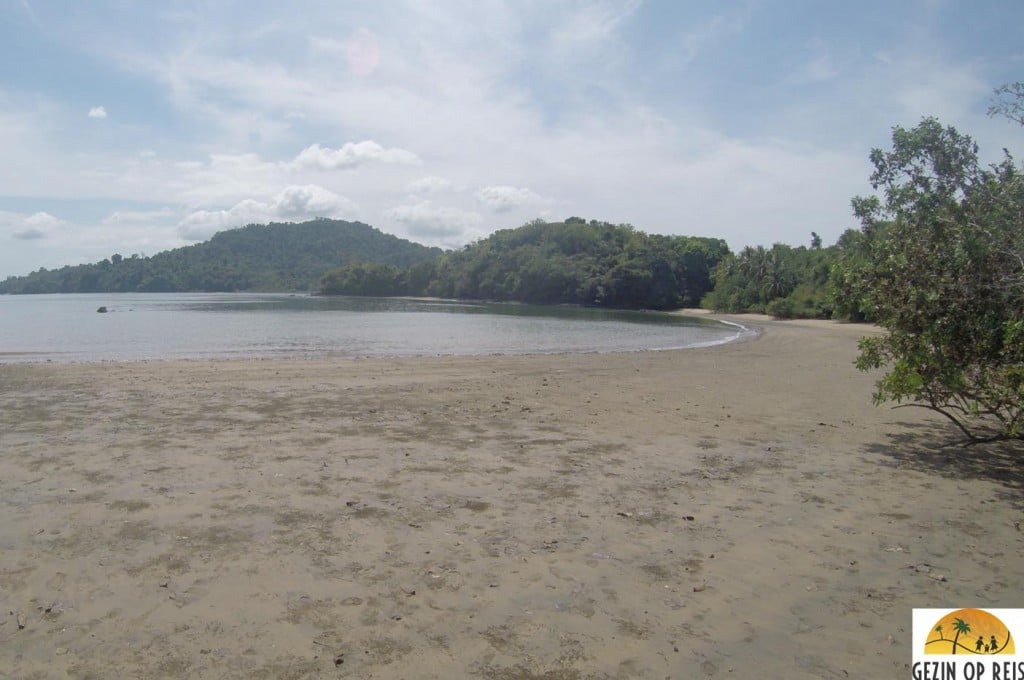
[741, 509]
[41, 358]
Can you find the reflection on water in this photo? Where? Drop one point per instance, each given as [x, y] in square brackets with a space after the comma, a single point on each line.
[199, 325]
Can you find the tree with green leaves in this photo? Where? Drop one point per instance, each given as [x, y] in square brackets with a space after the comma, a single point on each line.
[578, 262]
[364, 279]
[1009, 102]
[783, 281]
[941, 267]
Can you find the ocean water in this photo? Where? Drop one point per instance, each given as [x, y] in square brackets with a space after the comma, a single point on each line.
[140, 326]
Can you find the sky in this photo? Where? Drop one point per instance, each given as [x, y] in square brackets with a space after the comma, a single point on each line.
[134, 127]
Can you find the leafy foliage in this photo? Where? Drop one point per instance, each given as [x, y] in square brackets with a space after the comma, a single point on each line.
[940, 265]
[572, 262]
[783, 281]
[853, 260]
[272, 257]
[1009, 102]
[365, 279]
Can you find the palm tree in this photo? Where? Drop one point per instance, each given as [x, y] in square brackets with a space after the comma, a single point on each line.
[960, 626]
[777, 279]
[938, 629]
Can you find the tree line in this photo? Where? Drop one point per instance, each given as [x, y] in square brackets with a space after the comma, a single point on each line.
[615, 265]
[281, 257]
[568, 262]
[571, 262]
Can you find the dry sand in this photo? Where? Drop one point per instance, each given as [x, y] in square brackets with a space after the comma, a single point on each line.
[740, 511]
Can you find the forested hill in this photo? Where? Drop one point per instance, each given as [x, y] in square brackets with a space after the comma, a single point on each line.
[258, 257]
[576, 262]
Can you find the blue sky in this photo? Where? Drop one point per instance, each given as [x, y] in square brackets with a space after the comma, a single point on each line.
[139, 126]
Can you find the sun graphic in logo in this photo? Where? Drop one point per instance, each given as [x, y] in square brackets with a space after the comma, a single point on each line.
[969, 631]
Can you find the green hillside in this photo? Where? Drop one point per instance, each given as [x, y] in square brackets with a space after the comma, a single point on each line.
[573, 262]
[258, 257]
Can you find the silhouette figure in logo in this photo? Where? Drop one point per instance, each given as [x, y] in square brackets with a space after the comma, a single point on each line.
[994, 645]
[981, 643]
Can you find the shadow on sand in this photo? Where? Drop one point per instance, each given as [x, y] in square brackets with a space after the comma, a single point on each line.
[940, 449]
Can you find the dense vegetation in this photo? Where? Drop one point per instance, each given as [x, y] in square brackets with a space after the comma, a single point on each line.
[272, 257]
[570, 262]
[939, 263]
[784, 281]
[573, 262]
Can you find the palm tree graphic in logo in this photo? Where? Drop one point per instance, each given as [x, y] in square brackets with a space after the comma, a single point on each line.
[993, 637]
[960, 626]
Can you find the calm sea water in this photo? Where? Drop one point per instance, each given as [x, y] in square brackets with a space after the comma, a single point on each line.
[213, 325]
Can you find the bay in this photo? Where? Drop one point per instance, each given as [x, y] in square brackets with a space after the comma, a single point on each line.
[141, 326]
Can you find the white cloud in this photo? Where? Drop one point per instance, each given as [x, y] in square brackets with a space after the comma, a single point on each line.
[596, 105]
[351, 155]
[43, 220]
[947, 92]
[361, 51]
[97, 112]
[431, 184]
[43, 240]
[439, 223]
[34, 227]
[818, 70]
[506, 198]
[293, 204]
[135, 217]
[593, 23]
[227, 178]
[716, 30]
[309, 201]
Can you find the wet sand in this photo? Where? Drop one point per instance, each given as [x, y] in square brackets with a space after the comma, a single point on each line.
[740, 511]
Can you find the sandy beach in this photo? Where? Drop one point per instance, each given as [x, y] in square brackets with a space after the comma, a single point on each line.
[739, 511]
